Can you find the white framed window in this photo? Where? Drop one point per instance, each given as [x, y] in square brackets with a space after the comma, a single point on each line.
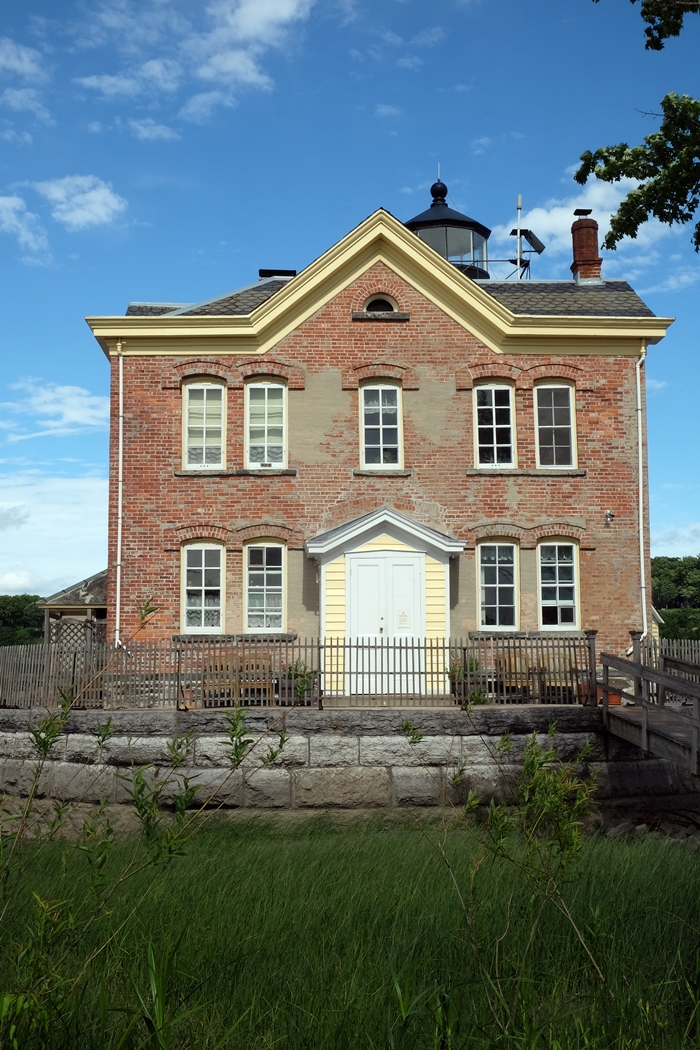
[495, 440]
[497, 586]
[203, 588]
[558, 585]
[265, 425]
[556, 445]
[204, 425]
[381, 426]
[264, 588]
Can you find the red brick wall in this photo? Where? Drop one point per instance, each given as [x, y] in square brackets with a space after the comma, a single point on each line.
[441, 359]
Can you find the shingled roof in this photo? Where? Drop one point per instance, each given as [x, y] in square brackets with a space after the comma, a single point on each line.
[90, 592]
[534, 298]
[241, 302]
[568, 298]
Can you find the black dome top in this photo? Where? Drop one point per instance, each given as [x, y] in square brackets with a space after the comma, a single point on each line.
[438, 214]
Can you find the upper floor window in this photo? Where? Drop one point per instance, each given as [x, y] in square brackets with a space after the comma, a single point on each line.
[380, 304]
[555, 431]
[494, 426]
[557, 563]
[204, 425]
[265, 425]
[497, 588]
[264, 587]
[202, 589]
[381, 426]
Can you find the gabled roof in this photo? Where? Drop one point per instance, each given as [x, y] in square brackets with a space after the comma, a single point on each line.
[91, 592]
[376, 522]
[523, 317]
[568, 298]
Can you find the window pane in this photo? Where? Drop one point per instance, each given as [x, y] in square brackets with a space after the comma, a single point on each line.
[203, 587]
[264, 588]
[265, 424]
[494, 426]
[380, 418]
[497, 580]
[554, 435]
[557, 602]
[204, 426]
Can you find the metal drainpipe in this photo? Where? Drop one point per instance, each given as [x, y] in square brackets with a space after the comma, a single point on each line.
[640, 449]
[120, 495]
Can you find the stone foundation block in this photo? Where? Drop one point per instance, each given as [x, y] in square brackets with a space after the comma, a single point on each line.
[218, 787]
[212, 751]
[18, 776]
[83, 749]
[387, 751]
[653, 776]
[330, 750]
[268, 788]
[84, 783]
[417, 786]
[136, 750]
[346, 788]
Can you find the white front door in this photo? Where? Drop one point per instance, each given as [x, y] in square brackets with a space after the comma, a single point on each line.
[385, 605]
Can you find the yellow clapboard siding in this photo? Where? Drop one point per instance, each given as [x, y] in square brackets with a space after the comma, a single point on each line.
[334, 677]
[384, 543]
[435, 599]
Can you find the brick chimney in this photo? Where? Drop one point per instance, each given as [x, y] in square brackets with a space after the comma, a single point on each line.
[584, 234]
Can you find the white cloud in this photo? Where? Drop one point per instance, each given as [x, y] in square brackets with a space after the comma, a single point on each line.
[13, 516]
[22, 61]
[429, 37]
[148, 131]
[95, 127]
[20, 138]
[25, 100]
[410, 62]
[674, 283]
[382, 110]
[675, 541]
[60, 534]
[57, 410]
[480, 146]
[236, 66]
[80, 201]
[112, 86]
[200, 108]
[655, 384]
[25, 226]
[163, 73]
[258, 21]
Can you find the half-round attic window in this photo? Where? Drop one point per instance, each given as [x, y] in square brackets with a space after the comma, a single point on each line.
[380, 305]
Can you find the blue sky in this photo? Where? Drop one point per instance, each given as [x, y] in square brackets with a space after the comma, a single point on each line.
[166, 149]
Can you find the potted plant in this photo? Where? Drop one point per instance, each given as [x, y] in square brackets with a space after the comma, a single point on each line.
[296, 681]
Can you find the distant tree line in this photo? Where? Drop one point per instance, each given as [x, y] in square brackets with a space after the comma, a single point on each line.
[21, 622]
[675, 586]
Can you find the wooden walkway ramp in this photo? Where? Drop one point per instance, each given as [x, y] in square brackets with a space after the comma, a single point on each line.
[670, 732]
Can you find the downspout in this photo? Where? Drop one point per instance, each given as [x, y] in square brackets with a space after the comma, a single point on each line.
[120, 496]
[640, 450]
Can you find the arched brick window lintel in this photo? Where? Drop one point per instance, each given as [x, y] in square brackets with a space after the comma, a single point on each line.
[467, 377]
[554, 532]
[352, 377]
[199, 369]
[176, 538]
[384, 287]
[496, 532]
[292, 374]
[538, 374]
[267, 531]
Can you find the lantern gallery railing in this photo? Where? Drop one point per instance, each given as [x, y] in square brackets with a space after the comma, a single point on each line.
[327, 672]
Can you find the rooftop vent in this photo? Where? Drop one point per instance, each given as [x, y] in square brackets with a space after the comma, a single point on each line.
[263, 274]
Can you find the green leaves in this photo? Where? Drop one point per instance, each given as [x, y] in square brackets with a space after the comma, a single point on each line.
[667, 167]
[664, 19]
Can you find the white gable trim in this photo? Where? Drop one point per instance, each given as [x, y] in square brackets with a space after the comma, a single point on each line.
[335, 542]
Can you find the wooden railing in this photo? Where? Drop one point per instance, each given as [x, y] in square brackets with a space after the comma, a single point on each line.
[249, 670]
[673, 732]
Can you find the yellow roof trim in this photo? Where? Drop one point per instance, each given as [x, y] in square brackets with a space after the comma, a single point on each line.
[380, 238]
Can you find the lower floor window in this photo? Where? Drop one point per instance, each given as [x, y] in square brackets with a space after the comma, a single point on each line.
[264, 588]
[203, 588]
[497, 584]
[557, 585]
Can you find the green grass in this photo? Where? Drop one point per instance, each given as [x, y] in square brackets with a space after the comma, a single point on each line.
[319, 935]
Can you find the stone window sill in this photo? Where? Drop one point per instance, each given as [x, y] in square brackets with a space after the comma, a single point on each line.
[539, 472]
[382, 473]
[377, 315]
[289, 473]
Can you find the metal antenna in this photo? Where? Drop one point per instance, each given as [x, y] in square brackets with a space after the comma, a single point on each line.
[519, 207]
[438, 171]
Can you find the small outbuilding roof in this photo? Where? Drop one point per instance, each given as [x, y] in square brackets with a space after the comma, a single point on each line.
[89, 593]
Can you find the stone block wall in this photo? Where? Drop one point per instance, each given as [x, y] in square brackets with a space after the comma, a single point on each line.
[342, 759]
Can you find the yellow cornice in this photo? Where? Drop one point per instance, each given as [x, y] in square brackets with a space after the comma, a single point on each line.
[380, 238]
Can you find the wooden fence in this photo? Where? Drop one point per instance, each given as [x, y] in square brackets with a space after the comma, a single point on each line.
[340, 672]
